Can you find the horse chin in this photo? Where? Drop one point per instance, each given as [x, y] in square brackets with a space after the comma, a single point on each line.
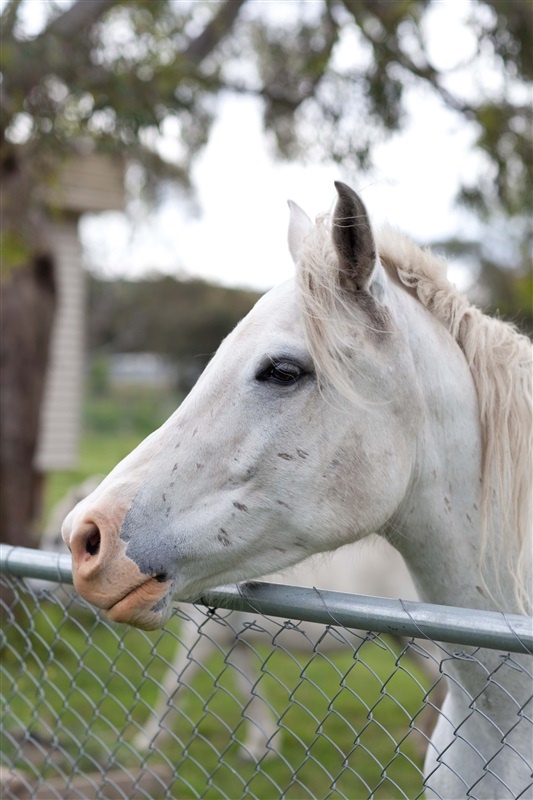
[147, 606]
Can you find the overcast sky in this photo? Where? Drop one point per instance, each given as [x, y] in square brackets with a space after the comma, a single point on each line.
[239, 238]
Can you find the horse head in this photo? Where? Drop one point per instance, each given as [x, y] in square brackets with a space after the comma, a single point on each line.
[265, 462]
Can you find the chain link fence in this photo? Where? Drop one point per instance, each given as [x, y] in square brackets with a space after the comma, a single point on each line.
[243, 703]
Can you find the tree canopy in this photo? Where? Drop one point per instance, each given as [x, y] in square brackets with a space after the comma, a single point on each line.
[119, 72]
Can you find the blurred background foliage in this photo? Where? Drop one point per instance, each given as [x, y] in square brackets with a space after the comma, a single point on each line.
[117, 73]
[183, 319]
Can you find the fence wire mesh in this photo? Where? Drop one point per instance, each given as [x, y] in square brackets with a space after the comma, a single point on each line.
[219, 704]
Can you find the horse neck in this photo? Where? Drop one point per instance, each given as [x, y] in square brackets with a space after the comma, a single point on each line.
[439, 527]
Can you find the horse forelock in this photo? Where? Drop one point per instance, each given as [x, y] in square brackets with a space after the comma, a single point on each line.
[499, 358]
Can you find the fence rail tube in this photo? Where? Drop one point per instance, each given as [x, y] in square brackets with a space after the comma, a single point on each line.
[473, 627]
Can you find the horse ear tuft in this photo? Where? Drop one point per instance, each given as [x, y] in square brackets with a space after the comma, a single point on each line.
[299, 226]
[353, 239]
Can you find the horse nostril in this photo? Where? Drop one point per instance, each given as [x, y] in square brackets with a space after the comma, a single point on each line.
[92, 542]
[162, 577]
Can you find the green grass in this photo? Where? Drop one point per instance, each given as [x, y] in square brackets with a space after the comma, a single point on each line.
[91, 686]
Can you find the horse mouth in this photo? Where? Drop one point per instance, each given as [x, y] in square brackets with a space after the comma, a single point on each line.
[144, 606]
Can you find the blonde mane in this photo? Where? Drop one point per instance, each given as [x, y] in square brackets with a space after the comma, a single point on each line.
[499, 358]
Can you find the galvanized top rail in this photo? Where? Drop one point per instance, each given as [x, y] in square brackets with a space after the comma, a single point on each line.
[496, 630]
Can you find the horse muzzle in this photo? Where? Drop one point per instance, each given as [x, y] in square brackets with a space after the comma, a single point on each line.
[107, 577]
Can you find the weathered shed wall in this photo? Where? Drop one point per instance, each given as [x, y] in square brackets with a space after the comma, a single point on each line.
[62, 406]
[89, 183]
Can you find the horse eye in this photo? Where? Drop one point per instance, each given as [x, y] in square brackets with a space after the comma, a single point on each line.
[282, 372]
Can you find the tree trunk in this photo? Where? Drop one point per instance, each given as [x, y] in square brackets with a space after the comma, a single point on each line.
[27, 303]
[27, 310]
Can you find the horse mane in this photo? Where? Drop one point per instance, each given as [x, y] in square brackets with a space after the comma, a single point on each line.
[500, 361]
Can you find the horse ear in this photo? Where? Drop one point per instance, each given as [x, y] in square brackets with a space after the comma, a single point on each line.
[353, 239]
[299, 226]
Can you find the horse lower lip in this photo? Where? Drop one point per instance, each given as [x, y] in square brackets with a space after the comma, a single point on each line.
[138, 602]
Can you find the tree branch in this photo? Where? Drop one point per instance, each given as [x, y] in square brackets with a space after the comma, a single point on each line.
[426, 73]
[82, 14]
[218, 27]
[9, 17]
[53, 47]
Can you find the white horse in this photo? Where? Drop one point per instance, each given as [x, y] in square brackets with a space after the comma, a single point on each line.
[369, 568]
[365, 396]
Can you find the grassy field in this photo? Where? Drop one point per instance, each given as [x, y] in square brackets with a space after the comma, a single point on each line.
[88, 687]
